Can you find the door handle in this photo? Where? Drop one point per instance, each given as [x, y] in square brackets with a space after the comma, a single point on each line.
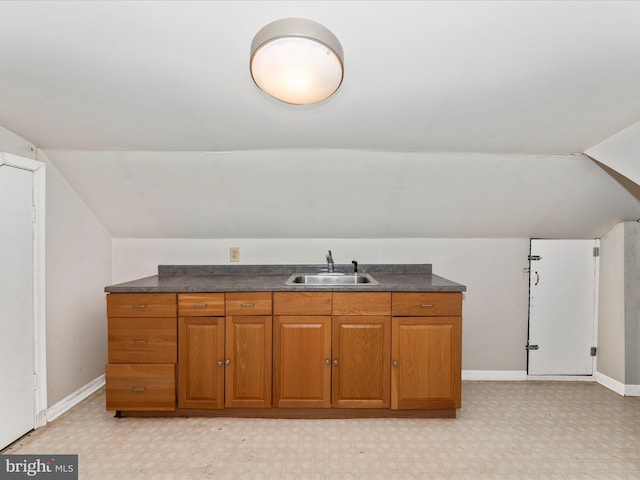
[537, 278]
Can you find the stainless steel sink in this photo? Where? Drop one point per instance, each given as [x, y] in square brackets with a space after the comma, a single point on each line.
[331, 279]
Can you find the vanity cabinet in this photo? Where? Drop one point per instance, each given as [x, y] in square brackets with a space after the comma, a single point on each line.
[142, 352]
[426, 350]
[337, 355]
[295, 354]
[224, 361]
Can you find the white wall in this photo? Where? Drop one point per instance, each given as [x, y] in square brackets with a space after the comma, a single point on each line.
[620, 152]
[632, 303]
[78, 266]
[12, 143]
[611, 360]
[494, 307]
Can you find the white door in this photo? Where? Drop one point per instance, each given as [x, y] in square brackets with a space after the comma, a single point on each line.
[562, 289]
[16, 304]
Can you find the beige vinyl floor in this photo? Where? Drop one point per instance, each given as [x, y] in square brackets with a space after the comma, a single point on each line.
[515, 430]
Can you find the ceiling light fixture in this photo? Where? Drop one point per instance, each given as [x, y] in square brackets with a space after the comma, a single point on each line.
[297, 61]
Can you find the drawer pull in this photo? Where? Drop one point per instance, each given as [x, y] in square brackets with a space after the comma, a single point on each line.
[137, 389]
[138, 306]
[200, 305]
[247, 304]
[140, 341]
[427, 305]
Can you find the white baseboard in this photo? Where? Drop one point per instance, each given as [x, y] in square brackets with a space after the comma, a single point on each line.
[632, 390]
[496, 375]
[75, 398]
[610, 383]
[561, 378]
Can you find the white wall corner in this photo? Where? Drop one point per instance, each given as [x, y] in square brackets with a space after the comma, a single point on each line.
[610, 383]
[75, 398]
[495, 375]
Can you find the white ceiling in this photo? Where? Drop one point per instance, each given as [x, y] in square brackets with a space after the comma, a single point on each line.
[523, 77]
[504, 84]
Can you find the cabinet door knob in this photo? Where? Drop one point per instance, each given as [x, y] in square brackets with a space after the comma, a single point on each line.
[335, 362]
[395, 363]
[327, 362]
[227, 361]
[219, 363]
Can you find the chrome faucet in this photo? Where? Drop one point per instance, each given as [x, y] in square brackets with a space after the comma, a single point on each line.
[330, 265]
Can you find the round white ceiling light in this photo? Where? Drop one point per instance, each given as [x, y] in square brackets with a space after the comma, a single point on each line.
[297, 61]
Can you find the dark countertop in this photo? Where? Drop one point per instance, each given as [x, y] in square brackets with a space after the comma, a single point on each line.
[256, 278]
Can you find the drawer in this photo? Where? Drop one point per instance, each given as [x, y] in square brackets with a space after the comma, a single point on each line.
[248, 303]
[201, 304]
[142, 340]
[141, 305]
[362, 303]
[141, 387]
[427, 304]
[302, 303]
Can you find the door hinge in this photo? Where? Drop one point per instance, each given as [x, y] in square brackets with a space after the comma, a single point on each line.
[532, 347]
[596, 251]
[593, 351]
[534, 257]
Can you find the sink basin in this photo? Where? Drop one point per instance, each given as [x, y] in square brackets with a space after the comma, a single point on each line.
[331, 279]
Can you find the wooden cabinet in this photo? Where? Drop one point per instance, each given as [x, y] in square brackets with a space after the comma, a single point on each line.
[360, 348]
[310, 353]
[141, 387]
[142, 347]
[248, 361]
[301, 361]
[302, 349]
[201, 362]
[340, 360]
[248, 347]
[426, 351]
[224, 361]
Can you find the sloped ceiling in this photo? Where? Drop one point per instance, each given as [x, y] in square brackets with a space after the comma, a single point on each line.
[149, 111]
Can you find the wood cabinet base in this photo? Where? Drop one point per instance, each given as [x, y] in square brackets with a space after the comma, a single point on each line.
[291, 413]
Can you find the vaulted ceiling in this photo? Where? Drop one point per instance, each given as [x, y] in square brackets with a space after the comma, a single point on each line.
[454, 118]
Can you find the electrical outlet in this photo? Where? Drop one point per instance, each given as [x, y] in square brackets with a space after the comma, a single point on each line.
[234, 254]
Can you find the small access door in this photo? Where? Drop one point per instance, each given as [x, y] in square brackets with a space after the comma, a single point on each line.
[562, 293]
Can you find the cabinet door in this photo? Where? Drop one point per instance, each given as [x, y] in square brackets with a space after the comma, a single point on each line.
[302, 365]
[201, 362]
[361, 361]
[248, 358]
[426, 362]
